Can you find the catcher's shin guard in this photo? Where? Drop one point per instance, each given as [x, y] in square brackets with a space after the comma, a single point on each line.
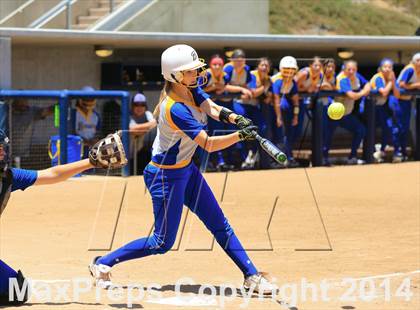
[12, 281]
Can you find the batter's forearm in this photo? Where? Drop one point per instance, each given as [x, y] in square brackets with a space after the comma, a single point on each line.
[217, 143]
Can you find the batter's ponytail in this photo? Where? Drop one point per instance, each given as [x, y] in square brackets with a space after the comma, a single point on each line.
[165, 91]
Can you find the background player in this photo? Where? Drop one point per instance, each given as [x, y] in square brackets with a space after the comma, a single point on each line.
[409, 79]
[238, 77]
[214, 84]
[259, 86]
[263, 96]
[173, 180]
[142, 130]
[286, 103]
[87, 122]
[383, 83]
[13, 179]
[328, 83]
[353, 86]
[309, 79]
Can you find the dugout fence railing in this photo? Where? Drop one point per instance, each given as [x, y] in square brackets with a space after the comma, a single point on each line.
[62, 99]
[369, 112]
[316, 125]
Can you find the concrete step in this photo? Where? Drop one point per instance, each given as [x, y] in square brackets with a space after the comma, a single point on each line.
[106, 3]
[99, 11]
[87, 19]
[80, 26]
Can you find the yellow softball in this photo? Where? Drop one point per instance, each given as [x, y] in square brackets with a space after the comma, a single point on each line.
[336, 110]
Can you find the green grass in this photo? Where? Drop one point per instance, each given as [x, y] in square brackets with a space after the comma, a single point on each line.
[344, 17]
[412, 6]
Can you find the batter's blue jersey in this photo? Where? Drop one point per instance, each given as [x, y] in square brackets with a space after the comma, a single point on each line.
[23, 178]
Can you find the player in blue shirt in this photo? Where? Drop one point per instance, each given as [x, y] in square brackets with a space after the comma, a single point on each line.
[383, 83]
[286, 103]
[328, 84]
[409, 79]
[353, 86]
[12, 179]
[238, 77]
[261, 87]
[214, 84]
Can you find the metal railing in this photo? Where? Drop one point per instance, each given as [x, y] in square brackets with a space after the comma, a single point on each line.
[65, 5]
[369, 140]
[17, 11]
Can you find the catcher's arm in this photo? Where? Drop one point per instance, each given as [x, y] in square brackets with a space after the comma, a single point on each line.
[62, 172]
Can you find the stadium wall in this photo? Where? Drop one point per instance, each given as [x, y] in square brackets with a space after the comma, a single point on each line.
[54, 67]
[218, 16]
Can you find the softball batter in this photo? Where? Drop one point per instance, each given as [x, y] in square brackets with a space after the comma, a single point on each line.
[173, 180]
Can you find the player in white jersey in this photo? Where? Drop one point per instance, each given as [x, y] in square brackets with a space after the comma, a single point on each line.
[173, 180]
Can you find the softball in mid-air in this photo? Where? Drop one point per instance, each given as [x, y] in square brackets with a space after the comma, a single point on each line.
[336, 110]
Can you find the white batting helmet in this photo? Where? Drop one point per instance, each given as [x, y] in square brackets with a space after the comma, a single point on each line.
[178, 58]
[288, 62]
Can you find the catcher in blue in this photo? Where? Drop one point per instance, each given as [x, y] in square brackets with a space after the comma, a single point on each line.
[106, 153]
[173, 180]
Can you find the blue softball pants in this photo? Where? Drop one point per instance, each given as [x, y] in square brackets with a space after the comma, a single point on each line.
[254, 114]
[170, 190]
[401, 125]
[383, 120]
[291, 133]
[273, 133]
[216, 128]
[6, 272]
[351, 123]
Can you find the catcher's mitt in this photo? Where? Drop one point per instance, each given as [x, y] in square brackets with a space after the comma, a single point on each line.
[108, 153]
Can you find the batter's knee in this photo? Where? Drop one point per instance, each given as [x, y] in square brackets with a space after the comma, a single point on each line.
[163, 245]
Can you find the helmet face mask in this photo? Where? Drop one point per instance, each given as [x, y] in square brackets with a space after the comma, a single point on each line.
[199, 80]
[288, 67]
[288, 73]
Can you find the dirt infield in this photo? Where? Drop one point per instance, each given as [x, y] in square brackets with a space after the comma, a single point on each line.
[363, 237]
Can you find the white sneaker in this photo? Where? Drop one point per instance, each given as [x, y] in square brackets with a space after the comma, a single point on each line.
[260, 284]
[101, 273]
[249, 161]
[379, 156]
[361, 162]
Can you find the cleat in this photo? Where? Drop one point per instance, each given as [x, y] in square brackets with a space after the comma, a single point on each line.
[260, 284]
[101, 273]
